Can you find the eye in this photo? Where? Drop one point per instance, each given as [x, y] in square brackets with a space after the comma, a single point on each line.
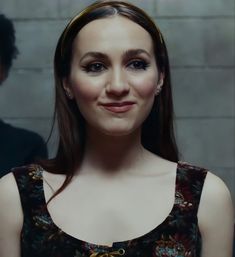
[94, 67]
[138, 65]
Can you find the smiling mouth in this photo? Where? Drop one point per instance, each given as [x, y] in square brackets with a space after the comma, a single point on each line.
[118, 107]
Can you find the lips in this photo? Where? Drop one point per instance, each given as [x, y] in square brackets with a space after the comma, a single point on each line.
[118, 107]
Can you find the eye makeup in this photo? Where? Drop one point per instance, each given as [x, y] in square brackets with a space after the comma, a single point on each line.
[132, 59]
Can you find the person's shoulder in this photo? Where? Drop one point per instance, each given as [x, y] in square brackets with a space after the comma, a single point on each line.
[20, 133]
[9, 180]
[10, 204]
[215, 193]
[216, 203]
[33, 144]
[216, 216]
[20, 172]
[11, 214]
[213, 185]
[25, 133]
[18, 179]
[7, 185]
[192, 174]
[191, 168]
[33, 141]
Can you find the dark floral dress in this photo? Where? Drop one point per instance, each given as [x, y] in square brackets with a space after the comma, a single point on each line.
[177, 236]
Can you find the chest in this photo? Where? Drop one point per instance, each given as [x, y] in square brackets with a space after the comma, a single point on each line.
[60, 232]
[105, 212]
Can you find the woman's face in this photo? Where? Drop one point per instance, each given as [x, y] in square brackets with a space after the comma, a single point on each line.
[113, 75]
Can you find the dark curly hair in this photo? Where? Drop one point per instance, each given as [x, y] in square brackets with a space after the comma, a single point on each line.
[8, 49]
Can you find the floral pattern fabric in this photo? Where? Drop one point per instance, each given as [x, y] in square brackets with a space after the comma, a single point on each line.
[177, 236]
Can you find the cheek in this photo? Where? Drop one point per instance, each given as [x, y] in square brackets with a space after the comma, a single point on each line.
[145, 85]
[86, 88]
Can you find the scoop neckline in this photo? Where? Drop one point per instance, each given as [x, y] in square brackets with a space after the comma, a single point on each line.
[116, 243]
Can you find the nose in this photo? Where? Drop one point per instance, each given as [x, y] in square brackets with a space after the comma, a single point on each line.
[117, 84]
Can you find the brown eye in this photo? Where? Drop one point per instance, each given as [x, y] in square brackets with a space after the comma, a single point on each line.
[138, 65]
[94, 67]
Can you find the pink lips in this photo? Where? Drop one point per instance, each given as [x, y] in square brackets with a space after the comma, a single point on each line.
[118, 107]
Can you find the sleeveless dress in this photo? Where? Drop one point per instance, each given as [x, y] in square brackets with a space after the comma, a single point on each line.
[177, 236]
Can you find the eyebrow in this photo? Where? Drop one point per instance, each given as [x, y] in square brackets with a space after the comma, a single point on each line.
[127, 54]
[133, 52]
[97, 55]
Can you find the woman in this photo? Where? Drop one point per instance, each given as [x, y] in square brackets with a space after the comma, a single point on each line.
[115, 187]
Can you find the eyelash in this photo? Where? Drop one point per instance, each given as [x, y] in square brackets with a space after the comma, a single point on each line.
[143, 64]
[91, 67]
[133, 65]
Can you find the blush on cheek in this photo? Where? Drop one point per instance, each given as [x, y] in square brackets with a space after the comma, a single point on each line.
[85, 89]
[82, 92]
[145, 86]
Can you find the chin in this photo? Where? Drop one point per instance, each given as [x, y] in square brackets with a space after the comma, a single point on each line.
[117, 132]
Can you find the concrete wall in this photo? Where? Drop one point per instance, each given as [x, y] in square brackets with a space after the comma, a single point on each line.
[201, 38]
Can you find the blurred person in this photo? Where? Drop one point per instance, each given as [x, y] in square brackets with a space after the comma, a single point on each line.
[116, 186]
[17, 146]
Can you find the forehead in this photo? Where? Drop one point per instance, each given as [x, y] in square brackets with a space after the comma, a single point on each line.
[112, 33]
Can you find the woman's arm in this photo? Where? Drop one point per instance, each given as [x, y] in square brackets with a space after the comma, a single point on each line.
[11, 217]
[216, 218]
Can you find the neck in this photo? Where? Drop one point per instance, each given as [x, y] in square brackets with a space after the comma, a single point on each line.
[112, 154]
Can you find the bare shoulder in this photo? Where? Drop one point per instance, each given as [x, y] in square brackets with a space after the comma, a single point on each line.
[8, 189]
[11, 217]
[216, 218]
[10, 204]
[215, 195]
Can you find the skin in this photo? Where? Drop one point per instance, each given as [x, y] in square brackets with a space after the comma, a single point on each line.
[115, 162]
[113, 71]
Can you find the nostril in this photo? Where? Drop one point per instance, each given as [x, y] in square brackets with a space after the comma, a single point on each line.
[117, 89]
[117, 93]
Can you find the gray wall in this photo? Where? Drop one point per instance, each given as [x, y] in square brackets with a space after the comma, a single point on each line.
[200, 35]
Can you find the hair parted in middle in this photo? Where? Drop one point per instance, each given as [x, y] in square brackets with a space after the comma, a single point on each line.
[157, 130]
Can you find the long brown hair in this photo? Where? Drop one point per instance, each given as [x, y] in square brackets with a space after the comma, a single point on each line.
[157, 130]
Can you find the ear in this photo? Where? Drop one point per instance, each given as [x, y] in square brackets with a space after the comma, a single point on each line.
[161, 79]
[67, 88]
[159, 83]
